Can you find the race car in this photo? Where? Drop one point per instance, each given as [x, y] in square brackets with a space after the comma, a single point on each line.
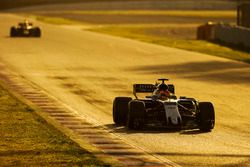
[25, 29]
[169, 112]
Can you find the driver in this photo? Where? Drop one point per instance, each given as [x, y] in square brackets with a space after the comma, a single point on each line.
[162, 91]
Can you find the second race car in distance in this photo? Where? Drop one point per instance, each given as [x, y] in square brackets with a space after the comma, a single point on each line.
[25, 29]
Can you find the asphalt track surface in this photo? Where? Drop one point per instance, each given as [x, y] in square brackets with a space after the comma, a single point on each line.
[87, 70]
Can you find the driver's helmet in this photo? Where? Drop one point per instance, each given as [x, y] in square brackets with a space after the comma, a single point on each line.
[163, 87]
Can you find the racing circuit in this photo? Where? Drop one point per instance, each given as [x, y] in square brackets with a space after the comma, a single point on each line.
[86, 70]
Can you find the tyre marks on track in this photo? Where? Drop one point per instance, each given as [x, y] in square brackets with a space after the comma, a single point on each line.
[97, 136]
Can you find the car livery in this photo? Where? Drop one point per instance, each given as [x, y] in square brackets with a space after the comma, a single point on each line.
[170, 112]
[25, 29]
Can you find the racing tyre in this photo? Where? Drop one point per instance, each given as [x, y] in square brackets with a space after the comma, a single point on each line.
[13, 32]
[120, 110]
[38, 32]
[207, 116]
[136, 115]
[35, 32]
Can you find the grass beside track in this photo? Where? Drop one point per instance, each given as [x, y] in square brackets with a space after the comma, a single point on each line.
[178, 13]
[28, 140]
[161, 34]
[144, 34]
[56, 20]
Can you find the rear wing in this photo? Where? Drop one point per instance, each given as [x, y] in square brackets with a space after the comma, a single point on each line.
[143, 88]
[149, 88]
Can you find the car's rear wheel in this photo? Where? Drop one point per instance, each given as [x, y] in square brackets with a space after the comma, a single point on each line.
[38, 32]
[13, 32]
[120, 110]
[207, 116]
[136, 115]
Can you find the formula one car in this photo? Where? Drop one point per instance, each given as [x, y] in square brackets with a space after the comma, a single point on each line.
[25, 29]
[169, 112]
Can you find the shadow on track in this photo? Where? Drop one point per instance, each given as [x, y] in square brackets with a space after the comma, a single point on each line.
[212, 71]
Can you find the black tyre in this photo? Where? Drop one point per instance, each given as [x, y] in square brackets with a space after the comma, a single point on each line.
[13, 32]
[38, 32]
[136, 115]
[120, 110]
[35, 32]
[207, 116]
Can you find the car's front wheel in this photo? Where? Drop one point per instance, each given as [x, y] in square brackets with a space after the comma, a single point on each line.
[136, 115]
